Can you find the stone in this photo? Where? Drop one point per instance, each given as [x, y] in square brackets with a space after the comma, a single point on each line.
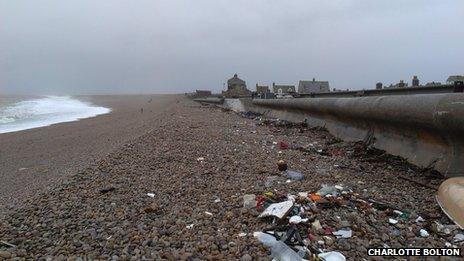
[246, 257]
[5, 254]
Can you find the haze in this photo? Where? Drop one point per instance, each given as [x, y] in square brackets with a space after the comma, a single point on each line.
[118, 47]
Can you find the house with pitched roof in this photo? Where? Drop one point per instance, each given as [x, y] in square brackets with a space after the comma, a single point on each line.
[307, 87]
[236, 88]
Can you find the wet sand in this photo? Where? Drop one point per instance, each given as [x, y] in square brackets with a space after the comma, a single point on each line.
[32, 159]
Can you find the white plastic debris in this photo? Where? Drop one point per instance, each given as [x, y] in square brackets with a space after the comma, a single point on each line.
[332, 256]
[458, 238]
[249, 201]
[424, 233]
[291, 197]
[399, 213]
[200, 159]
[297, 220]
[419, 219]
[242, 234]
[392, 221]
[277, 209]
[343, 233]
[279, 250]
[190, 226]
[151, 195]
[208, 213]
[316, 225]
[217, 200]
[303, 195]
[338, 187]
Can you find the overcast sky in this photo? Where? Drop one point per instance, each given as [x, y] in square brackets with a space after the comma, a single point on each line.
[110, 46]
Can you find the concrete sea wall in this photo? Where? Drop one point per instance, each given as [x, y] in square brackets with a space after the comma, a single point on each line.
[425, 129]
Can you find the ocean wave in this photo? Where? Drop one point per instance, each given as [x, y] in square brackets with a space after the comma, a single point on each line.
[46, 111]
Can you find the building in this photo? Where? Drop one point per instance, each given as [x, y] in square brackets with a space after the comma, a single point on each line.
[378, 86]
[455, 78]
[236, 88]
[415, 81]
[401, 84]
[202, 93]
[283, 89]
[262, 89]
[432, 84]
[306, 87]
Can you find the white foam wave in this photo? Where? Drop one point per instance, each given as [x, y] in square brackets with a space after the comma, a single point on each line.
[46, 111]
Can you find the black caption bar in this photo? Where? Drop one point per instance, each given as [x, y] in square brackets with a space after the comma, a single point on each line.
[414, 252]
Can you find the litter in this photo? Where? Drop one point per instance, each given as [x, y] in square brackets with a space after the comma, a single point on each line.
[295, 175]
[458, 238]
[303, 229]
[343, 233]
[424, 233]
[208, 213]
[297, 220]
[189, 226]
[315, 197]
[450, 195]
[326, 190]
[279, 210]
[249, 201]
[242, 234]
[279, 250]
[332, 256]
[303, 195]
[200, 159]
[151, 195]
[217, 200]
[316, 225]
[442, 229]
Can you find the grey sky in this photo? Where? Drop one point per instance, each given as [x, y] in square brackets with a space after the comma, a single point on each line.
[110, 46]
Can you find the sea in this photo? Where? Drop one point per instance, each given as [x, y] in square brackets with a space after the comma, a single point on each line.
[27, 112]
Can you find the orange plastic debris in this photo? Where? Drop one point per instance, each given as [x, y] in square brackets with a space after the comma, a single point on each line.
[315, 197]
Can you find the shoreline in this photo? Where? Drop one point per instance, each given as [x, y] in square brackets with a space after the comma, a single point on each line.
[33, 158]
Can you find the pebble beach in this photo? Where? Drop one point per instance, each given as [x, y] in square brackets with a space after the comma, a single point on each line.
[173, 189]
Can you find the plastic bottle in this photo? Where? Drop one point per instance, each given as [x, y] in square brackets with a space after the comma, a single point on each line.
[279, 250]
